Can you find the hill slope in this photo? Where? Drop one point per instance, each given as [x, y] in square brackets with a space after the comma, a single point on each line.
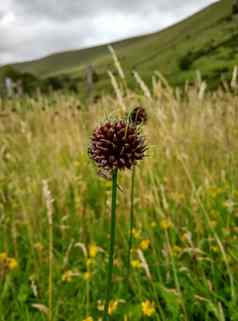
[206, 41]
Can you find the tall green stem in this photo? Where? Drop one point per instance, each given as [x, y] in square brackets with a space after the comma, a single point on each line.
[131, 220]
[50, 285]
[112, 244]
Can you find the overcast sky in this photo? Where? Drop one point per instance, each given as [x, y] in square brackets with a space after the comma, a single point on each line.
[30, 29]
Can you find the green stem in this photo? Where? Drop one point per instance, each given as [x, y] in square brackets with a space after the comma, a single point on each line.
[131, 221]
[112, 244]
[50, 281]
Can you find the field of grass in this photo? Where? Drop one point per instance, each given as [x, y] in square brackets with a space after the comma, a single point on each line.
[206, 41]
[55, 210]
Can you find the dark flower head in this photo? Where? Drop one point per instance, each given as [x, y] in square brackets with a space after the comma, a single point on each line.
[138, 116]
[116, 145]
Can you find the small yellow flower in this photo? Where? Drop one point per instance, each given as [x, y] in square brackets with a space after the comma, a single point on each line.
[93, 250]
[177, 197]
[212, 223]
[136, 233]
[136, 264]
[112, 307]
[90, 262]
[12, 263]
[229, 204]
[100, 305]
[153, 224]
[215, 191]
[166, 224]
[88, 319]
[186, 237]
[176, 250]
[215, 249]
[117, 263]
[67, 276]
[76, 163]
[145, 244]
[3, 256]
[87, 276]
[39, 246]
[148, 308]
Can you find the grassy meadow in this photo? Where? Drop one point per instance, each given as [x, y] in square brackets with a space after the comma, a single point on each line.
[55, 209]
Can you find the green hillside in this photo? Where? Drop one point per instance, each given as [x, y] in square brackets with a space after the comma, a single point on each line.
[206, 41]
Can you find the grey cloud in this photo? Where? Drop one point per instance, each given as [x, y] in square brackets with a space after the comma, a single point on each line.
[43, 38]
[64, 9]
[30, 29]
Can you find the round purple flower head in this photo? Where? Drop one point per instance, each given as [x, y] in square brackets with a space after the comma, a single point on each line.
[116, 145]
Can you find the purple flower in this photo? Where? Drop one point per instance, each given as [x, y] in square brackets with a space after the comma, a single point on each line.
[116, 145]
[138, 116]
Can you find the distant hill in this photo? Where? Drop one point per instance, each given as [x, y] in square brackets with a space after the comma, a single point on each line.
[206, 41]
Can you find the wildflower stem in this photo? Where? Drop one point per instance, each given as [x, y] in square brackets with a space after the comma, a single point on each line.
[112, 244]
[50, 281]
[131, 221]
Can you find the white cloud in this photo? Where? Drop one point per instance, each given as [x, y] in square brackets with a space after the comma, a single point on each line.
[7, 19]
[31, 29]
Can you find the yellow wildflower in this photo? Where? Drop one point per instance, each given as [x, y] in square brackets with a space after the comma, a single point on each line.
[87, 276]
[166, 224]
[76, 163]
[215, 191]
[67, 276]
[12, 263]
[39, 246]
[186, 237]
[3, 256]
[215, 249]
[117, 263]
[212, 223]
[153, 224]
[112, 307]
[177, 197]
[148, 308]
[229, 204]
[90, 262]
[135, 264]
[93, 249]
[176, 250]
[136, 233]
[144, 245]
[100, 305]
